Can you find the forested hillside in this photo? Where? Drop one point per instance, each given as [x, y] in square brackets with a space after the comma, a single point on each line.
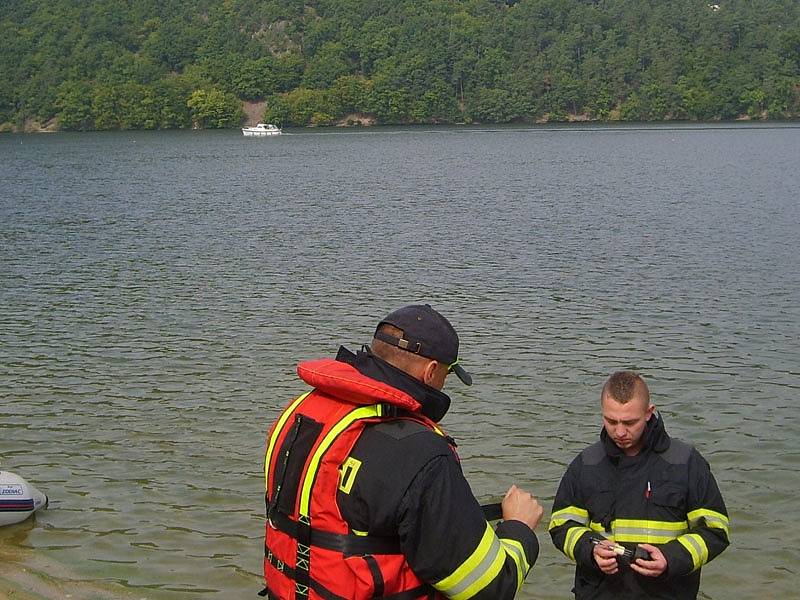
[145, 64]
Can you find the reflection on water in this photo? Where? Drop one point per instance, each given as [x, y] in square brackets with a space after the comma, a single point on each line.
[158, 288]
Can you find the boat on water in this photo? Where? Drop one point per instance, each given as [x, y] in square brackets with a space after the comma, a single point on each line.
[260, 130]
[18, 499]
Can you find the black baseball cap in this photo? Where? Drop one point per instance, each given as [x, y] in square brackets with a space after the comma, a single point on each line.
[427, 333]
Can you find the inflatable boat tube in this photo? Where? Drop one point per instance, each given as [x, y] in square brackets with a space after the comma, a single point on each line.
[18, 499]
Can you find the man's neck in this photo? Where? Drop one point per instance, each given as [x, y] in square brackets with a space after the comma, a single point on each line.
[633, 450]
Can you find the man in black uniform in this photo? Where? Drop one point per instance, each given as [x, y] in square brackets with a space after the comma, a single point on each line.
[401, 483]
[637, 487]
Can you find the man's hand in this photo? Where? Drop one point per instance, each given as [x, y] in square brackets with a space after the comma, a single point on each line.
[605, 558]
[653, 567]
[519, 505]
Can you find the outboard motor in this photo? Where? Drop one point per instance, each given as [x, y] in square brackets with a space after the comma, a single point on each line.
[18, 499]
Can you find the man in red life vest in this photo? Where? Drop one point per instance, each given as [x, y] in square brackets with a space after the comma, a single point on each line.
[365, 496]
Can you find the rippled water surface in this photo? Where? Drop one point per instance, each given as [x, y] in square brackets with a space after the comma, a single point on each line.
[157, 289]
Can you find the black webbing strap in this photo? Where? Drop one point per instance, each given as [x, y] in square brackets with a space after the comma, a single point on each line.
[414, 347]
[415, 594]
[421, 591]
[377, 576]
[302, 575]
[291, 573]
[347, 544]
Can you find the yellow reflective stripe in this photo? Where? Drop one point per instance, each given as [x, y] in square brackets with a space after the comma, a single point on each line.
[475, 573]
[642, 532]
[711, 517]
[647, 532]
[598, 527]
[573, 535]
[696, 546]
[515, 550]
[643, 524]
[644, 537]
[276, 433]
[364, 412]
[570, 513]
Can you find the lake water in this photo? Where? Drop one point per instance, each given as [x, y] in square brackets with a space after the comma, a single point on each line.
[157, 290]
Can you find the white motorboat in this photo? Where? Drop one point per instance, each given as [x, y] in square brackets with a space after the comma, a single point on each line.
[261, 130]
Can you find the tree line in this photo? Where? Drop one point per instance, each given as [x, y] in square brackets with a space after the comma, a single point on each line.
[153, 64]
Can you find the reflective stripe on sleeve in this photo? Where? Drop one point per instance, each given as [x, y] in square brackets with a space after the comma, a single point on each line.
[711, 517]
[696, 546]
[570, 513]
[573, 535]
[598, 527]
[475, 573]
[515, 550]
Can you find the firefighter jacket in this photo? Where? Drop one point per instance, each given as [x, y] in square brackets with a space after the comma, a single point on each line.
[366, 498]
[665, 496]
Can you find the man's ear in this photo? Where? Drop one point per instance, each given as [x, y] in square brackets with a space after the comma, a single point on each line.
[429, 372]
[650, 410]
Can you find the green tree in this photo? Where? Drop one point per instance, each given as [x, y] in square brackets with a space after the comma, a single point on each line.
[305, 103]
[139, 62]
[74, 102]
[388, 103]
[278, 110]
[214, 109]
[326, 66]
[755, 101]
[436, 105]
[697, 102]
[350, 94]
[494, 105]
[172, 93]
[105, 107]
[631, 109]
[173, 44]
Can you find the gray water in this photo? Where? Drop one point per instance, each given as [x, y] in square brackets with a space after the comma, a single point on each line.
[157, 290]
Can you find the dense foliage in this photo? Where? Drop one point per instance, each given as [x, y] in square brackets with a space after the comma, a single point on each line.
[144, 64]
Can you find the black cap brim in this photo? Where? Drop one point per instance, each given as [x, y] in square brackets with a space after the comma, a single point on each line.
[465, 377]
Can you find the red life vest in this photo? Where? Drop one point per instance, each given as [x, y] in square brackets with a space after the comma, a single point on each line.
[309, 549]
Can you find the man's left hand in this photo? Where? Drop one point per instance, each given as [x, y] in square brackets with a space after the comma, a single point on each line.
[653, 567]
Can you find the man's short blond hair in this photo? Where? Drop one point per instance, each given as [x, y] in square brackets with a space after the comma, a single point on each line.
[623, 386]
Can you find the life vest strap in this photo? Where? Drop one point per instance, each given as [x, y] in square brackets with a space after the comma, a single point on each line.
[346, 543]
[421, 591]
[289, 572]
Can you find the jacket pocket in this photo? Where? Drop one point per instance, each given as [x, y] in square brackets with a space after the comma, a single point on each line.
[671, 500]
[669, 495]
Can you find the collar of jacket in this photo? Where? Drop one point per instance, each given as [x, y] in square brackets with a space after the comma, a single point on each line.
[434, 403]
[656, 438]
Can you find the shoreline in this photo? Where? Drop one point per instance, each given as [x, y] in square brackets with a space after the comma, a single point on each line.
[363, 121]
[32, 581]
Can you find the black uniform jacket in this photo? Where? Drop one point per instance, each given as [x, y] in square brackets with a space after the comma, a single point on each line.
[665, 496]
[410, 485]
